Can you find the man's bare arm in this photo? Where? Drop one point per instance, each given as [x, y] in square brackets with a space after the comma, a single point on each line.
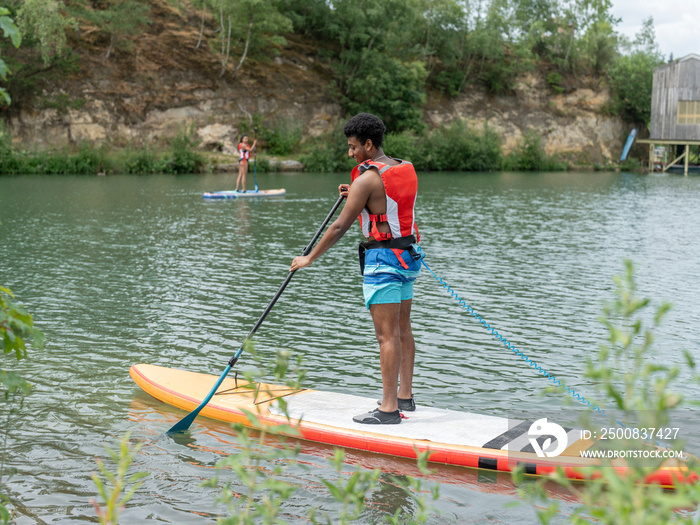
[359, 194]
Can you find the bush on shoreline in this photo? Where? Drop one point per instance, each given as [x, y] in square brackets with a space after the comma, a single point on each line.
[180, 157]
[529, 155]
[456, 147]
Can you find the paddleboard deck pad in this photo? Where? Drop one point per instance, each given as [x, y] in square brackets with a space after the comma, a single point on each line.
[232, 194]
[451, 437]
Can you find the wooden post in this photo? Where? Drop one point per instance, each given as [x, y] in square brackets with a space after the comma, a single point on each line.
[687, 155]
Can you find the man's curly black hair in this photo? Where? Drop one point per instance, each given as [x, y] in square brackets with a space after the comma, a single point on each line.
[365, 126]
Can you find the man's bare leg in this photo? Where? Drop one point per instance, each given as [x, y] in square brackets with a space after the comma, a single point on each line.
[386, 319]
[408, 351]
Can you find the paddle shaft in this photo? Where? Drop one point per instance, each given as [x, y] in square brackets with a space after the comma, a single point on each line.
[306, 251]
[185, 422]
[255, 158]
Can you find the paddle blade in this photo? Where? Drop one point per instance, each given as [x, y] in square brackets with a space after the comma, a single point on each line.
[186, 421]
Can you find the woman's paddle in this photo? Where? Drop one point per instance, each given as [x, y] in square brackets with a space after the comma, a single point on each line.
[185, 423]
[255, 168]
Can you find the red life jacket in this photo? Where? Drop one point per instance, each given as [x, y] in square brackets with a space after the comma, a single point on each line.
[244, 154]
[401, 187]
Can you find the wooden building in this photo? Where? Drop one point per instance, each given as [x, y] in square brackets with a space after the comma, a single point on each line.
[675, 112]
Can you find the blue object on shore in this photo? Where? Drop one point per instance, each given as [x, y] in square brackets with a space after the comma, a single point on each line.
[628, 144]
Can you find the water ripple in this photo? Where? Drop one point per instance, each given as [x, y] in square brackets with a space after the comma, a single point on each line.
[120, 270]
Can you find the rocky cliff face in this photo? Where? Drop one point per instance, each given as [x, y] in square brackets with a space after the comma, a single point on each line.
[572, 125]
[167, 82]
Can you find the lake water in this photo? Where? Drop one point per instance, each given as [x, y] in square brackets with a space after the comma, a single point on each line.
[120, 270]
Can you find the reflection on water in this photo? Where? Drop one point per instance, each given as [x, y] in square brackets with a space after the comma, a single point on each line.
[119, 270]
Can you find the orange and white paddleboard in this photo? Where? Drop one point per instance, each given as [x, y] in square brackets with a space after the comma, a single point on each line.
[451, 437]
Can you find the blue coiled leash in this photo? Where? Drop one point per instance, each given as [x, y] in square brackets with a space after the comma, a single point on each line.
[508, 344]
[578, 397]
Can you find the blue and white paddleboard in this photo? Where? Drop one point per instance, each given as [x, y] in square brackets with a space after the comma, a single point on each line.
[232, 194]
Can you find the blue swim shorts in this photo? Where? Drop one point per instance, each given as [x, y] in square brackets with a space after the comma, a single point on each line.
[389, 275]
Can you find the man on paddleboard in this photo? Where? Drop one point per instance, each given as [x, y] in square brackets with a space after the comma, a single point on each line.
[382, 195]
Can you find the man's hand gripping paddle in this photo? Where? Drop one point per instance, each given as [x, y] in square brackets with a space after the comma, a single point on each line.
[185, 423]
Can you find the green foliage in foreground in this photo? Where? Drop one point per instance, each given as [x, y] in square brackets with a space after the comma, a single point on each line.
[116, 489]
[259, 479]
[9, 30]
[16, 329]
[628, 376]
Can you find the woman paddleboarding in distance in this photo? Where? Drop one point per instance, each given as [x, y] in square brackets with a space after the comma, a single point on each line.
[244, 150]
[383, 196]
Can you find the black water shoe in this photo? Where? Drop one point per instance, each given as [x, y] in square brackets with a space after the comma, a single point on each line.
[405, 405]
[377, 417]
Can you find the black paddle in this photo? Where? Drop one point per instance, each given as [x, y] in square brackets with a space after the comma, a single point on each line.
[185, 423]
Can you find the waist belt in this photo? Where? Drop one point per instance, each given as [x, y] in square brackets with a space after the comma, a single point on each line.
[402, 243]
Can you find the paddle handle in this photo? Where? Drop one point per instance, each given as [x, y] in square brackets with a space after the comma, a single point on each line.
[306, 251]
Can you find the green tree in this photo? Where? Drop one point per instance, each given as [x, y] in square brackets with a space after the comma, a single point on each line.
[121, 20]
[443, 31]
[254, 27]
[458, 147]
[264, 25]
[44, 51]
[574, 35]
[389, 88]
[308, 17]
[631, 76]
[378, 67]
[599, 47]
[645, 40]
[46, 23]
[9, 30]
[498, 59]
[531, 14]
